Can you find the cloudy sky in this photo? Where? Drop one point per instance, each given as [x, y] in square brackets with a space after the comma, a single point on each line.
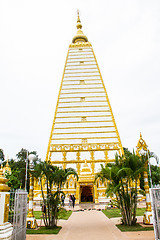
[34, 39]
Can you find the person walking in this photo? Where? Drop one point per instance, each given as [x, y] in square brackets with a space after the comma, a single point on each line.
[70, 200]
[73, 200]
[44, 209]
[62, 199]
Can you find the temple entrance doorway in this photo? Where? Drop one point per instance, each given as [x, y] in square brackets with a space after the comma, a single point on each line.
[86, 193]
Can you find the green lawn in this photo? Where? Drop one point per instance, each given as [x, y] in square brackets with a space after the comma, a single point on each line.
[63, 214]
[137, 227]
[115, 212]
[140, 211]
[43, 230]
[37, 214]
[112, 213]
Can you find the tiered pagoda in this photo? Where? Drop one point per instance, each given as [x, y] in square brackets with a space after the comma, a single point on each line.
[84, 134]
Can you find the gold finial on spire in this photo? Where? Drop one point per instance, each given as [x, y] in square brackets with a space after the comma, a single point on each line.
[78, 19]
[80, 37]
[7, 165]
[79, 25]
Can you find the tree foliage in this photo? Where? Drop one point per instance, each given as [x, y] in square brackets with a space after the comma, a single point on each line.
[155, 173]
[53, 176]
[123, 176]
[1, 155]
[13, 179]
[17, 177]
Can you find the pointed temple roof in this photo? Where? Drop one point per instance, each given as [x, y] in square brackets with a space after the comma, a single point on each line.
[86, 174]
[83, 118]
[85, 168]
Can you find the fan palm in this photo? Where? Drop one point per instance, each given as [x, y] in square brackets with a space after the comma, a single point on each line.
[56, 176]
[123, 176]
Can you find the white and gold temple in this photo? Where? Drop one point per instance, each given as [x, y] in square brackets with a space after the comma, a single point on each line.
[84, 134]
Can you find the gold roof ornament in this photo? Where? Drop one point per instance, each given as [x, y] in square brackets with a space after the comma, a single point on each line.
[79, 37]
[141, 145]
[7, 167]
[86, 175]
[3, 186]
[85, 168]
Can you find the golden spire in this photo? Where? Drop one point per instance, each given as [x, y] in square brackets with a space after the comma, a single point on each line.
[79, 25]
[3, 186]
[7, 165]
[141, 145]
[80, 37]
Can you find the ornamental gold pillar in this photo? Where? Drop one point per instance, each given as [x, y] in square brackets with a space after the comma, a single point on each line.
[106, 155]
[77, 193]
[78, 172]
[138, 184]
[141, 149]
[5, 227]
[92, 163]
[31, 220]
[64, 159]
[78, 162]
[147, 219]
[96, 193]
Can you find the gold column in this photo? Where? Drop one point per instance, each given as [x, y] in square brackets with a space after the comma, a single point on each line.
[106, 155]
[148, 213]
[78, 172]
[92, 163]
[77, 193]
[142, 146]
[78, 164]
[30, 217]
[30, 210]
[138, 185]
[64, 159]
[96, 194]
[5, 227]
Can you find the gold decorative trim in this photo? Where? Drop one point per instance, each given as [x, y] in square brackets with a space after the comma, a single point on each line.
[48, 155]
[83, 147]
[86, 122]
[82, 88]
[80, 44]
[84, 111]
[72, 133]
[145, 220]
[86, 116]
[6, 208]
[64, 138]
[84, 127]
[82, 92]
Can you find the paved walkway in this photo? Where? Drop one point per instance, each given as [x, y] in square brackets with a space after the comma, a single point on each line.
[91, 225]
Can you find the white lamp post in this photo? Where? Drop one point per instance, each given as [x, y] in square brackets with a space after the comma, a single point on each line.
[31, 221]
[26, 171]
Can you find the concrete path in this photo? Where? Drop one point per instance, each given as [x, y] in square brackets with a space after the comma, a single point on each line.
[90, 225]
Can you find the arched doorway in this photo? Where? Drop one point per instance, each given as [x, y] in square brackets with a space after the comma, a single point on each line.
[86, 193]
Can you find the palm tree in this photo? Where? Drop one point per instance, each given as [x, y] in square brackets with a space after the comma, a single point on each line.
[123, 176]
[60, 176]
[53, 176]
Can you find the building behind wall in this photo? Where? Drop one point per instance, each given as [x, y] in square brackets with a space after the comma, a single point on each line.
[84, 134]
